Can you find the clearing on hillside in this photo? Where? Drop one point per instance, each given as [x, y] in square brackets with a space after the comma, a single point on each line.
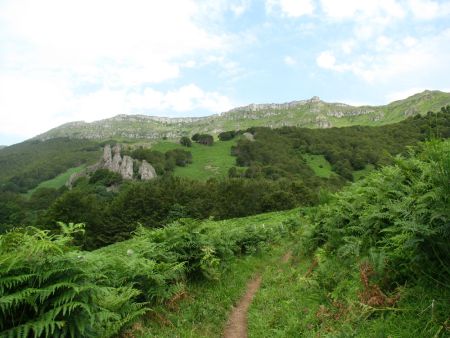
[207, 161]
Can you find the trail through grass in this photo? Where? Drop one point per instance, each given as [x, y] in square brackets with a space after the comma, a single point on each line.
[206, 305]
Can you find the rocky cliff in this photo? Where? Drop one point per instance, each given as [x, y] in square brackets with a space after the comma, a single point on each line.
[112, 160]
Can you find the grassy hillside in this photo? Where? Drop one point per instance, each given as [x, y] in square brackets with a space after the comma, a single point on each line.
[313, 113]
[207, 161]
[319, 164]
[25, 165]
[58, 181]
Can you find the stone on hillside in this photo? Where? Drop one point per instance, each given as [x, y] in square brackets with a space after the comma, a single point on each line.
[249, 136]
[146, 171]
[126, 168]
[74, 177]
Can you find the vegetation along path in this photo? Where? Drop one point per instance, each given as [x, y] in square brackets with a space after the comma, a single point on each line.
[237, 322]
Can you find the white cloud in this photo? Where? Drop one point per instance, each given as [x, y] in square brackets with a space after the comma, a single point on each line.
[49, 103]
[83, 60]
[369, 17]
[383, 43]
[131, 42]
[289, 60]
[407, 58]
[357, 9]
[428, 9]
[291, 8]
[240, 7]
[326, 60]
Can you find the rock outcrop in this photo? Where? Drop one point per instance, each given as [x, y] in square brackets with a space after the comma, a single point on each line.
[126, 168]
[107, 157]
[248, 136]
[113, 161]
[146, 171]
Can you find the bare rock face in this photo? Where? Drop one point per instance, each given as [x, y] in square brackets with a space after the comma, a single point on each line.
[146, 171]
[116, 149]
[249, 136]
[322, 122]
[115, 163]
[126, 168]
[74, 177]
[107, 156]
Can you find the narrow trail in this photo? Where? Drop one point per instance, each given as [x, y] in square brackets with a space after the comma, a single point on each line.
[287, 256]
[237, 322]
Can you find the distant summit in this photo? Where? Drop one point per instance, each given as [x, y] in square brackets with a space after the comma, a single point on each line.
[311, 113]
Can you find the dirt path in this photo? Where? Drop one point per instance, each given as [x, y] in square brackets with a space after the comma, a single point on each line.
[237, 322]
[287, 256]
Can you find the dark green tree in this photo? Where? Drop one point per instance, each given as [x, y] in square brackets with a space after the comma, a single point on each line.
[186, 141]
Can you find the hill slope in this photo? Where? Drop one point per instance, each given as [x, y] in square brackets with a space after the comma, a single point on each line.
[313, 113]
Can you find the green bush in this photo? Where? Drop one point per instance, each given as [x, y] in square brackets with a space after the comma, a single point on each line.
[186, 141]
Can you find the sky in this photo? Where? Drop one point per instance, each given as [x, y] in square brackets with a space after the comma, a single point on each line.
[63, 61]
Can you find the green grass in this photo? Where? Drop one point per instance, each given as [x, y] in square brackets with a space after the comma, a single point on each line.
[206, 307]
[318, 164]
[207, 161]
[291, 303]
[58, 181]
[359, 174]
[282, 308]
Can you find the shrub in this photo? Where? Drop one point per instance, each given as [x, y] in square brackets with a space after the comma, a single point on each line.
[185, 141]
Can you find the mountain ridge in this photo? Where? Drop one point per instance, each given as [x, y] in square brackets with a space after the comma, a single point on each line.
[310, 113]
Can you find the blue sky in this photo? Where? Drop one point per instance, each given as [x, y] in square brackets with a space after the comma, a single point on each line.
[64, 61]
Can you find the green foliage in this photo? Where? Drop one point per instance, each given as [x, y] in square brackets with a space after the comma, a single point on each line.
[58, 181]
[186, 141]
[26, 164]
[180, 157]
[105, 177]
[403, 210]
[48, 288]
[227, 135]
[373, 247]
[205, 139]
[282, 152]
[207, 162]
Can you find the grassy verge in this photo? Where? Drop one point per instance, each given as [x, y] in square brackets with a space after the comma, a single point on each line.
[207, 161]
